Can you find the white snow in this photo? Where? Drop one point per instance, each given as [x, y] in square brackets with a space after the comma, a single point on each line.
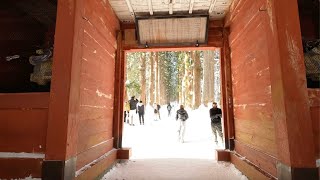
[27, 178]
[174, 169]
[21, 155]
[157, 154]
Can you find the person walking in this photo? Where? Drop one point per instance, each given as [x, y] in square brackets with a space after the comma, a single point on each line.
[182, 116]
[156, 112]
[140, 108]
[158, 108]
[133, 110]
[169, 108]
[216, 125]
[126, 112]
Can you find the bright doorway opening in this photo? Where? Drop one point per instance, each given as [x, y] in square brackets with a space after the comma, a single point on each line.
[189, 78]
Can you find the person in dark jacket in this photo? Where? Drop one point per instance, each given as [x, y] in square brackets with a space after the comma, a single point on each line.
[216, 125]
[133, 109]
[169, 108]
[182, 116]
[156, 112]
[140, 108]
[158, 108]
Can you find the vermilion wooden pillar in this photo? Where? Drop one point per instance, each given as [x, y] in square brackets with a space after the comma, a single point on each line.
[62, 125]
[119, 94]
[226, 88]
[291, 113]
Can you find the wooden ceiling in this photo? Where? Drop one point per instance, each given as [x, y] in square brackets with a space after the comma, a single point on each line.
[127, 10]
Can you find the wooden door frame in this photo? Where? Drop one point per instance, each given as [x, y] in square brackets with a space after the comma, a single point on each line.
[226, 100]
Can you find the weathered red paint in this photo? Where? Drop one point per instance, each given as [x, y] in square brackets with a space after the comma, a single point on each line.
[314, 102]
[269, 86]
[266, 162]
[226, 91]
[97, 82]
[82, 94]
[99, 168]
[12, 168]
[289, 88]
[117, 113]
[251, 78]
[23, 128]
[63, 100]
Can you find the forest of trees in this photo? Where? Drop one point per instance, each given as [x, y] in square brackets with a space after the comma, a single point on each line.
[191, 78]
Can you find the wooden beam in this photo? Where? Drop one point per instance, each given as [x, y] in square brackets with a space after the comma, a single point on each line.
[117, 104]
[170, 7]
[212, 5]
[150, 7]
[191, 6]
[130, 8]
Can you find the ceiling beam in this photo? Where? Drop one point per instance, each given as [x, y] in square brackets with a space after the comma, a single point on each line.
[191, 6]
[212, 5]
[130, 8]
[150, 7]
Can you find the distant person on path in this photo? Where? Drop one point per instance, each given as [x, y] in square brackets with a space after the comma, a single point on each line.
[140, 108]
[156, 112]
[182, 116]
[158, 108]
[216, 125]
[133, 109]
[169, 108]
[126, 112]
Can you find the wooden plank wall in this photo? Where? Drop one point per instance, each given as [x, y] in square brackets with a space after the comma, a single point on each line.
[314, 100]
[254, 127]
[95, 134]
[23, 128]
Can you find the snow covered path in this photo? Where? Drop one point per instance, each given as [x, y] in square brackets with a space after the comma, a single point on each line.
[174, 169]
[157, 155]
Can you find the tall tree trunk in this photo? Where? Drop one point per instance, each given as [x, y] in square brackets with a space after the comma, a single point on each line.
[143, 77]
[217, 88]
[181, 79]
[185, 80]
[196, 80]
[156, 80]
[162, 83]
[208, 78]
[189, 94]
[152, 83]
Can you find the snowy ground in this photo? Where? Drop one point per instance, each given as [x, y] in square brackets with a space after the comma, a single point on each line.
[157, 154]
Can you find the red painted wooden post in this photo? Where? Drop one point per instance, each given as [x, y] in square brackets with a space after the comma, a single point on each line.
[224, 102]
[291, 112]
[64, 95]
[227, 90]
[117, 94]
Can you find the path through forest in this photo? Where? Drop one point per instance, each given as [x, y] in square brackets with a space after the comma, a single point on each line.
[158, 155]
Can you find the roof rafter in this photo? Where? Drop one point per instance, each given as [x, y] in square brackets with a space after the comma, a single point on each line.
[212, 5]
[130, 8]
